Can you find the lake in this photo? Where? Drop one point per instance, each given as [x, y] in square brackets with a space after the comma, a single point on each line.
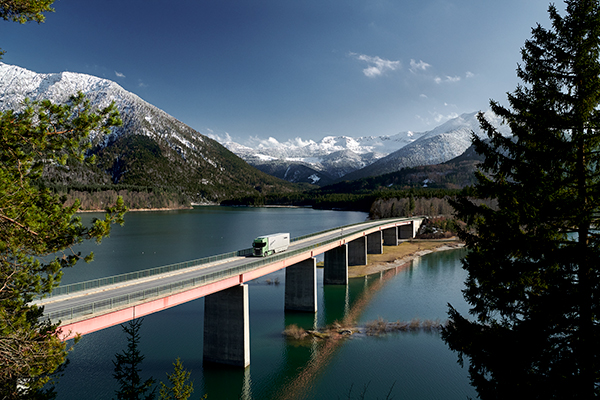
[415, 365]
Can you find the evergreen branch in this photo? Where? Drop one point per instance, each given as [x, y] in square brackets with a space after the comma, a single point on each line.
[4, 217]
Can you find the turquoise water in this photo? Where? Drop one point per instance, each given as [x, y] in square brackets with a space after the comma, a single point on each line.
[409, 365]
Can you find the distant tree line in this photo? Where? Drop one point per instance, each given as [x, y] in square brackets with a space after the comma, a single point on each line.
[325, 199]
[96, 197]
[409, 206]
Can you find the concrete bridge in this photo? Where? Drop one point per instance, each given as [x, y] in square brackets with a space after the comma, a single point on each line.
[93, 305]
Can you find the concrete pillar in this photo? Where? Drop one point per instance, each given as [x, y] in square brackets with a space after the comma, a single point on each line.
[375, 243]
[301, 286]
[227, 327]
[416, 226]
[357, 251]
[390, 236]
[335, 270]
[406, 231]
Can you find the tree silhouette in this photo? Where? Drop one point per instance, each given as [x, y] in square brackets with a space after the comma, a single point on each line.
[533, 281]
[127, 367]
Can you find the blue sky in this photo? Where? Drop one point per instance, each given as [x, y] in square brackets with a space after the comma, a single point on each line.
[290, 68]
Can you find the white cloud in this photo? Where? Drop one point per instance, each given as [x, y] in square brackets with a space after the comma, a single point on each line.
[377, 65]
[416, 66]
[450, 79]
[120, 74]
[470, 75]
[223, 139]
[273, 144]
[436, 118]
[372, 72]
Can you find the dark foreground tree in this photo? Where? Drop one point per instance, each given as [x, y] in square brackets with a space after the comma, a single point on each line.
[35, 226]
[127, 367]
[533, 266]
[37, 232]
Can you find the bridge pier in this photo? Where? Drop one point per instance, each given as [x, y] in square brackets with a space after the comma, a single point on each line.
[390, 236]
[335, 270]
[375, 243]
[357, 251]
[405, 231]
[227, 327]
[301, 286]
[408, 231]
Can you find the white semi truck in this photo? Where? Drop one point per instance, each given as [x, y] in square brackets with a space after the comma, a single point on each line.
[270, 244]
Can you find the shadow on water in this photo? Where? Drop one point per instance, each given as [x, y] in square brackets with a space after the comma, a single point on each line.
[279, 368]
[343, 305]
[228, 382]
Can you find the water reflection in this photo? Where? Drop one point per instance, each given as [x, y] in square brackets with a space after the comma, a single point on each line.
[280, 368]
[363, 290]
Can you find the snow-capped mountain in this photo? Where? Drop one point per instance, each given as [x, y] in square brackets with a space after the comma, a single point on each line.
[342, 157]
[439, 145]
[150, 149]
[154, 149]
[139, 117]
[320, 162]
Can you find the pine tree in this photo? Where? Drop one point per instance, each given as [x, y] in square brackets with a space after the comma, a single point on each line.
[534, 261]
[180, 389]
[38, 232]
[127, 367]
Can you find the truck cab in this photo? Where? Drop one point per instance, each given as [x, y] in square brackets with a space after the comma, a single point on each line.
[260, 246]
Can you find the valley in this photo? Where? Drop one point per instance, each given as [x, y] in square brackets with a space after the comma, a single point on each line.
[155, 161]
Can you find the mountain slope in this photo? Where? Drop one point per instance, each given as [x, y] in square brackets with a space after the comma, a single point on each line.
[150, 149]
[330, 158]
[437, 146]
[345, 158]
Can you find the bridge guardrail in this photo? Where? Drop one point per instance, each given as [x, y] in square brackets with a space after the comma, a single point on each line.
[123, 300]
[130, 276]
[111, 280]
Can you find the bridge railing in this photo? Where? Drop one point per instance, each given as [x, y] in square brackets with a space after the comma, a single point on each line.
[130, 276]
[124, 300]
[327, 230]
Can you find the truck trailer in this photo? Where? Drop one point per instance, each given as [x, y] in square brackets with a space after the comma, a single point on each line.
[270, 244]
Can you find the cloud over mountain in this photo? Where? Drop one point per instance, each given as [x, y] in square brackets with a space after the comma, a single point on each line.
[376, 65]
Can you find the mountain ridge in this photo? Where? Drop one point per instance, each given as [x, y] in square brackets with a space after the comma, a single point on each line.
[174, 156]
[339, 158]
[441, 144]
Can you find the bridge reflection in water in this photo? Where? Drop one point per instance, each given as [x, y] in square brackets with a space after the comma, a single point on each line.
[93, 305]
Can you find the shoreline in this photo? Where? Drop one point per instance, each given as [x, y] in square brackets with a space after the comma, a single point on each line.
[402, 255]
[194, 205]
[140, 209]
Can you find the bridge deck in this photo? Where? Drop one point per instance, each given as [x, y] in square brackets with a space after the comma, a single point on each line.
[91, 310]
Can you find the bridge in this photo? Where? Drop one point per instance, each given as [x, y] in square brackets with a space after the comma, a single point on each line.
[89, 306]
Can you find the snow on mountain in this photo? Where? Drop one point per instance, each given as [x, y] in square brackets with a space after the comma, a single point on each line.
[139, 117]
[353, 158]
[298, 148]
[296, 160]
[151, 148]
[439, 145]
[332, 157]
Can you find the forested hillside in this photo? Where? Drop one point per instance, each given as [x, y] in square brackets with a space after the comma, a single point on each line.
[149, 149]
